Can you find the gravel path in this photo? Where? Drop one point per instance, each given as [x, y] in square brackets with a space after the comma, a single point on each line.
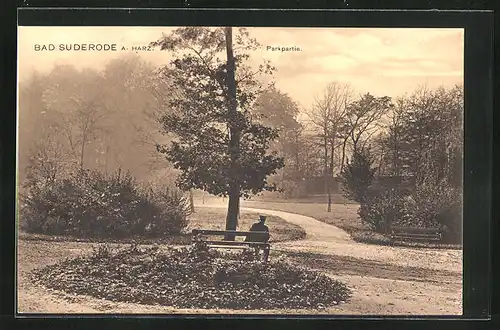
[327, 239]
[385, 280]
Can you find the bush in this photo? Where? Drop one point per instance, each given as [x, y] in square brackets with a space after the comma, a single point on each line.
[381, 209]
[370, 237]
[437, 205]
[291, 189]
[91, 204]
[193, 277]
[429, 206]
[357, 176]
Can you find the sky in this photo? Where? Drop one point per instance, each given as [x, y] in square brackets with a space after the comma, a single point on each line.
[383, 62]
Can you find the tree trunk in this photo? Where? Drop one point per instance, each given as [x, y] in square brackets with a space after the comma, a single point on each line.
[381, 161]
[298, 174]
[191, 201]
[234, 131]
[344, 144]
[232, 210]
[325, 171]
[395, 158]
[82, 154]
[330, 175]
[106, 160]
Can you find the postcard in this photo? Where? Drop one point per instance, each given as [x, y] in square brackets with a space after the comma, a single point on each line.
[230, 170]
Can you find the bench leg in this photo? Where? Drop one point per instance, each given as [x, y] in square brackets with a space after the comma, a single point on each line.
[266, 255]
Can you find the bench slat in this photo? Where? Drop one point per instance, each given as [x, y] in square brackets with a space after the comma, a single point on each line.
[416, 234]
[415, 230]
[420, 237]
[237, 243]
[227, 232]
[423, 237]
[228, 246]
[265, 246]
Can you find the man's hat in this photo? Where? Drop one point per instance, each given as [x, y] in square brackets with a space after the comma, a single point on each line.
[262, 218]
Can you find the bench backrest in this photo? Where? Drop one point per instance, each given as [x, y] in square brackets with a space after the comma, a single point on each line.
[208, 232]
[416, 230]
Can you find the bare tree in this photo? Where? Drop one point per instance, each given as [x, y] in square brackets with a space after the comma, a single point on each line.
[362, 121]
[363, 116]
[327, 115]
[74, 101]
[82, 126]
[46, 163]
[395, 134]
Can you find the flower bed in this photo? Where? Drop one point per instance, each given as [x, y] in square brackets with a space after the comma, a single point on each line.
[193, 277]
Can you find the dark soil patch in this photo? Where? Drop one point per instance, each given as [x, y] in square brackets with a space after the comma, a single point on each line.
[193, 277]
[362, 267]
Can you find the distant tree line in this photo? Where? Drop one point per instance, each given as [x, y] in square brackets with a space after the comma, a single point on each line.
[103, 120]
[110, 119]
[410, 139]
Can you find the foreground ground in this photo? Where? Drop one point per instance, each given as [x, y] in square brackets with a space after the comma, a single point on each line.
[384, 280]
[378, 288]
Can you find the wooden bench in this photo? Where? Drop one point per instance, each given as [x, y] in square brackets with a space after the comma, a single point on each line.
[412, 233]
[263, 244]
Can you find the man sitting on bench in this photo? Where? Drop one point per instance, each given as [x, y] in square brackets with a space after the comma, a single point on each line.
[258, 226]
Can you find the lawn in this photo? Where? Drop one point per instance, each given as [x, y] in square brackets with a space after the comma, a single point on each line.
[343, 216]
[314, 199]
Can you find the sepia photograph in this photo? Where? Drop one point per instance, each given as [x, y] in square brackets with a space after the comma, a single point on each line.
[240, 170]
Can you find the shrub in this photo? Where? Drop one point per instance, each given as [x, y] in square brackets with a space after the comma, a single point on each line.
[370, 237]
[357, 176]
[381, 209]
[437, 205]
[92, 204]
[291, 189]
[173, 204]
[429, 206]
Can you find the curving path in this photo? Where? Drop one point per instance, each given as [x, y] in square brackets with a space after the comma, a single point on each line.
[327, 239]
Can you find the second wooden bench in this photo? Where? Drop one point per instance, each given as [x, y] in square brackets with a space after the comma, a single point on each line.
[412, 233]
